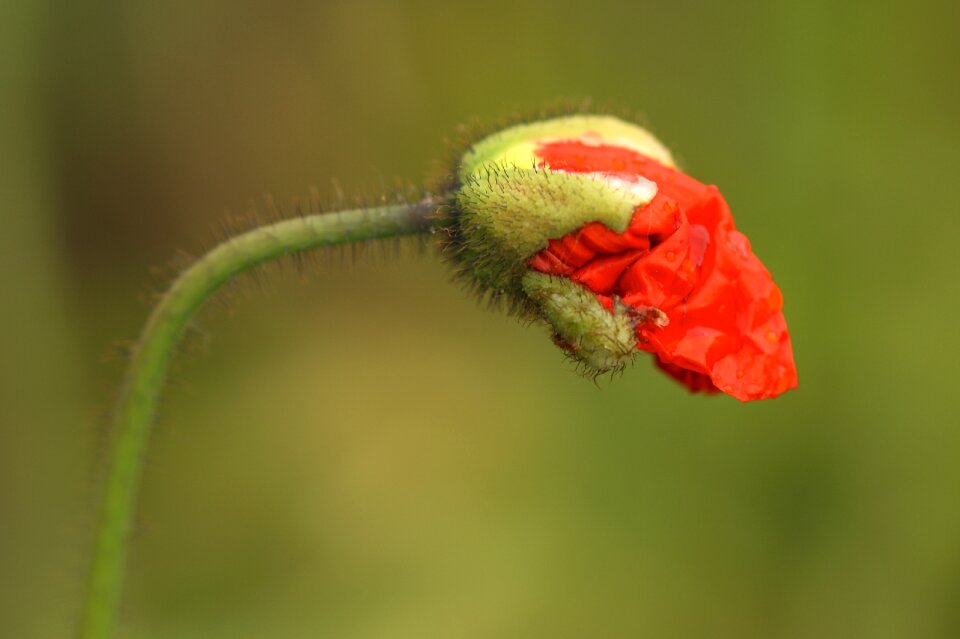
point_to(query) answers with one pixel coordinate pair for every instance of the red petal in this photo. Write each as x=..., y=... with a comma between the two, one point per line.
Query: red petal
x=696, y=382
x=601, y=274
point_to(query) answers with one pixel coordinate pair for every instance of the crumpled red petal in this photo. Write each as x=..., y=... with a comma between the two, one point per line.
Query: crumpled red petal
x=682, y=255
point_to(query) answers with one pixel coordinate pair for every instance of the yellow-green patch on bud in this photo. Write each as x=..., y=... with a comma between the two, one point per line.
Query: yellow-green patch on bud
x=516, y=146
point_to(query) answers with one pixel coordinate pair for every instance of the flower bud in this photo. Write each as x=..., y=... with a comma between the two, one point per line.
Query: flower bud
x=585, y=223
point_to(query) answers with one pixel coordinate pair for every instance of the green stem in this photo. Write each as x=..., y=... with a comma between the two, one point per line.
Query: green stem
x=148, y=368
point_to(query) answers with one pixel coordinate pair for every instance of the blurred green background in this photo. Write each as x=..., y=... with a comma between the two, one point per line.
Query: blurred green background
x=369, y=454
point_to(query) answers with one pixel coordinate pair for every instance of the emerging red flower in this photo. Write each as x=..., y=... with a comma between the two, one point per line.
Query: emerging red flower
x=724, y=328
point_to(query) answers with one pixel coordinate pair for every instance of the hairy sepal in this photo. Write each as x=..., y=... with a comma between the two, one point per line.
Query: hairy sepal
x=507, y=214
x=599, y=339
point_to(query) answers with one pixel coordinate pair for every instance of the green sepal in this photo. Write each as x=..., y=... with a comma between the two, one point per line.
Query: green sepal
x=508, y=214
x=599, y=339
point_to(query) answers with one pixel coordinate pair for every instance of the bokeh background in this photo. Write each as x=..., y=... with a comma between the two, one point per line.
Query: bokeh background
x=367, y=453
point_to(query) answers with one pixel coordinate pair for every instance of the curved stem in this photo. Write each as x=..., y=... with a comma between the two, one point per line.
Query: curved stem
x=148, y=368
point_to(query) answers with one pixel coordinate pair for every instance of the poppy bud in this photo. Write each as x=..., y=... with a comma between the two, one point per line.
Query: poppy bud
x=585, y=223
